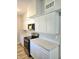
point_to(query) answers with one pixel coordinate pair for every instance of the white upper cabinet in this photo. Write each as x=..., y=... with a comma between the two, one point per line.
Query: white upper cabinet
x=35, y=7
x=57, y=4
x=38, y=7
x=52, y=23
x=40, y=24
x=51, y=5
x=37, y=24
x=43, y=24
x=48, y=23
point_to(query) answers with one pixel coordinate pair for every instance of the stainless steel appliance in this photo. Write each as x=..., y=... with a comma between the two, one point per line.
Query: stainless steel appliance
x=27, y=45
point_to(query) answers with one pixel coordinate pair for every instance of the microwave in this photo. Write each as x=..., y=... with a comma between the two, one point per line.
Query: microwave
x=31, y=27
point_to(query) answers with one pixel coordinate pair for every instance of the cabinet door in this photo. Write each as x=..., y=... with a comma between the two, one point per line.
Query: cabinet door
x=52, y=23
x=52, y=8
x=37, y=25
x=40, y=24
x=55, y=5
x=42, y=55
x=34, y=50
x=37, y=52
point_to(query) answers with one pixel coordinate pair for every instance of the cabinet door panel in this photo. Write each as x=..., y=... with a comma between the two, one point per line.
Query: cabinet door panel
x=36, y=54
x=52, y=23
x=43, y=24
x=34, y=50
x=56, y=5
x=47, y=23
x=43, y=55
x=37, y=25
x=40, y=24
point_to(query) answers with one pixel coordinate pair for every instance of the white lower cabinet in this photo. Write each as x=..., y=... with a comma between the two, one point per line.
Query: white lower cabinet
x=34, y=51
x=56, y=5
x=38, y=52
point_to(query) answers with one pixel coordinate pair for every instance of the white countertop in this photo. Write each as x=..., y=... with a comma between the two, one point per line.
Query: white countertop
x=44, y=43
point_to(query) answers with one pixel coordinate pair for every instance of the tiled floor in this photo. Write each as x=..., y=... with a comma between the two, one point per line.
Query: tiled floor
x=21, y=53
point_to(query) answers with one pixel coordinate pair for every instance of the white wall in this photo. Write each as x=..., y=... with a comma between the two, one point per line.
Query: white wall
x=19, y=26
x=31, y=8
